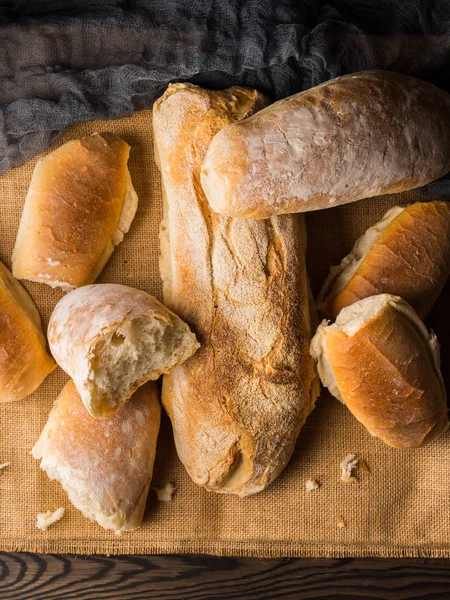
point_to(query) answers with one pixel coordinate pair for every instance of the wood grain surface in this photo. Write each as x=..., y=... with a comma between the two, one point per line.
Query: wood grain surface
x=51, y=577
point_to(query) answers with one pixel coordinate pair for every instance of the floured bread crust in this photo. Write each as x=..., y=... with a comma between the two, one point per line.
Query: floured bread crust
x=104, y=465
x=379, y=359
x=80, y=204
x=407, y=253
x=357, y=136
x=24, y=361
x=238, y=404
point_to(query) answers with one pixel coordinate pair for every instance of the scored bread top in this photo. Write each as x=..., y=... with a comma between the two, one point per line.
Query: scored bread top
x=379, y=359
x=79, y=205
x=238, y=404
x=407, y=254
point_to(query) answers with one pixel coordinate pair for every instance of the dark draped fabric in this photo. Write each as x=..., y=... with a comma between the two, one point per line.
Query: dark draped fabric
x=63, y=61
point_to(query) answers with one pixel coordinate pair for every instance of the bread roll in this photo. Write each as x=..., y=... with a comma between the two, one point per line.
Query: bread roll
x=238, y=404
x=379, y=359
x=353, y=137
x=407, y=253
x=79, y=205
x=104, y=465
x=24, y=361
x=111, y=339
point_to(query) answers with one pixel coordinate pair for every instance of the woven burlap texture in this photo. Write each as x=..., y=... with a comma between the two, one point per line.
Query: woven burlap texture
x=400, y=509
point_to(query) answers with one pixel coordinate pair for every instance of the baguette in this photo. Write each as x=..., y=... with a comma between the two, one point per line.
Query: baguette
x=353, y=137
x=407, y=254
x=24, y=361
x=236, y=406
x=381, y=362
x=104, y=465
x=79, y=206
x=110, y=339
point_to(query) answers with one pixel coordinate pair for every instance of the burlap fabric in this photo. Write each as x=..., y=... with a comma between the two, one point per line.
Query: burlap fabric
x=400, y=509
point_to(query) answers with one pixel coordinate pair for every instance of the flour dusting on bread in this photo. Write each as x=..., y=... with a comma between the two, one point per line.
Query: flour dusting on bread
x=238, y=404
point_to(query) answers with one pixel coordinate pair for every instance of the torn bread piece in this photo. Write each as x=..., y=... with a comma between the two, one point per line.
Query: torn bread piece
x=407, y=253
x=348, y=466
x=380, y=361
x=166, y=493
x=111, y=339
x=49, y=518
x=104, y=465
x=80, y=204
x=311, y=485
x=24, y=360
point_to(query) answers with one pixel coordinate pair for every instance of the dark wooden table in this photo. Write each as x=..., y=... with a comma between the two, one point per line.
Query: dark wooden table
x=50, y=577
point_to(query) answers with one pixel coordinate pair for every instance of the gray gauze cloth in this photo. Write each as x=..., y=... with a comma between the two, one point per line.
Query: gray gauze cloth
x=62, y=62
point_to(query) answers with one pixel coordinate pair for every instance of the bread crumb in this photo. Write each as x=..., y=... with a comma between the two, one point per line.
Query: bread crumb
x=363, y=465
x=311, y=485
x=340, y=522
x=118, y=533
x=348, y=465
x=6, y=464
x=45, y=520
x=166, y=493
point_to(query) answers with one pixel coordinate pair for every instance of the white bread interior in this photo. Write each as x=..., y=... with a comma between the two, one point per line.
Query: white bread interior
x=112, y=338
x=325, y=370
x=129, y=354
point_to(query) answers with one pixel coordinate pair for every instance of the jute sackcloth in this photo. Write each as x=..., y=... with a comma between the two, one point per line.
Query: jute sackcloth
x=400, y=509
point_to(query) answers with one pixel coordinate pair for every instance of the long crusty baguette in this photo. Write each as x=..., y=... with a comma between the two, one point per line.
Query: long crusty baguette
x=407, y=254
x=104, y=465
x=79, y=206
x=111, y=339
x=379, y=359
x=24, y=361
x=353, y=137
x=238, y=405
